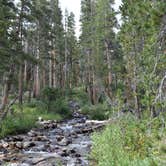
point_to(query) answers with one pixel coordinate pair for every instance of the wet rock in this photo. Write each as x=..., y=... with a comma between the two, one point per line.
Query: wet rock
x=28, y=145
x=46, y=123
x=74, y=135
x=78, y=131
x=82, y=120
x=74, y=105
x=77, y=155
x=1, y=146
x=87, y=130
x=6, y=159
x=40, y=158
x=58, y=131
x=32, y=133
x=5, y=145
x=64, y=153
x=17, y=164
x=72, y=151
x=53, y=125
x=19, y=145
x=40, y=138
x=59, y=138
x=17, y=138
x=65, y=142
x=56, y=147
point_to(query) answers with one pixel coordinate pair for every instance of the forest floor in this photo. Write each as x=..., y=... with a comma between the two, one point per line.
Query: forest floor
x=55, y=143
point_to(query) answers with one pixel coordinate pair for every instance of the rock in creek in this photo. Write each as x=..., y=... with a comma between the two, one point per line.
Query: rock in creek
x=65, y=143
x=28, y=145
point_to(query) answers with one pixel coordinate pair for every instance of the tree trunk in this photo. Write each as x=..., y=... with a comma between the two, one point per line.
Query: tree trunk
x=25, y=71
x=109, y=93
x=20, y=92
x=7, y=84
x=5, y=93
x=136, y=103
x=50, y=71
x=36, y=82
x=54, y=69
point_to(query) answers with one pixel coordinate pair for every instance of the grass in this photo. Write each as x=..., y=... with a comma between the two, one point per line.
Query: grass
x=128, y=142
x=23, y=120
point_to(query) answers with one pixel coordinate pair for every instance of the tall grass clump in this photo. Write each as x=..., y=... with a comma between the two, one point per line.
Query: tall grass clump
x=125, y=143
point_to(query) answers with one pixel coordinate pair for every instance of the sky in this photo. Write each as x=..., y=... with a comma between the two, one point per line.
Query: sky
x=75, y=7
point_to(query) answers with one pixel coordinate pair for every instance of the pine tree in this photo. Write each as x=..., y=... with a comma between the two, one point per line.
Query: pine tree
x=138, y=36
x=87, y=38
x=6, y=65
x=71, y=49
x=105, y=22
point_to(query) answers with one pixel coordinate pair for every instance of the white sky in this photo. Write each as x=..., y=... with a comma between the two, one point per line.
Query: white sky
x=75, y=7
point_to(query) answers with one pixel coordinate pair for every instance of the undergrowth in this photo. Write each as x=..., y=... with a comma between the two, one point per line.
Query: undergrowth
x=96, y=112
x=22, y=120
x=129, y=142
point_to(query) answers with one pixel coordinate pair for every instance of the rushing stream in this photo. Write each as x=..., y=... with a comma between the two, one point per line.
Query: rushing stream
x=65, y=143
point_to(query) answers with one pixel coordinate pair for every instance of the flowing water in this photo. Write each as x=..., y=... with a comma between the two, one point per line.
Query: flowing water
x=65, y=143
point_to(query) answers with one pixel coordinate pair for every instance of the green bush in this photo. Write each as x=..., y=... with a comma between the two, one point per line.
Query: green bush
x=97, y=112
x=123, y=143
x=60, y=106
x=23, y=120
x=38, y=104
x=79, y=95
x=19, y=123
x=51, y=94
x=55, y=102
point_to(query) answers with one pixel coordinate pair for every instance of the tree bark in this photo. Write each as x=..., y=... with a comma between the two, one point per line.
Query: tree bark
x=7, y=84
x=20, y=92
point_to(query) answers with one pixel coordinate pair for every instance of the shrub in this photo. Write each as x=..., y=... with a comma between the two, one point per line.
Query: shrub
x=51, y=94
x=21, y=122
x=79, y=95
x=97, y=112
x=61, y=107
x=123, y=143
x=38, y=104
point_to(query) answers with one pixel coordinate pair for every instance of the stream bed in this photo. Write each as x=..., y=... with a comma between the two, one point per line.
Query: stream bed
x=65, y=143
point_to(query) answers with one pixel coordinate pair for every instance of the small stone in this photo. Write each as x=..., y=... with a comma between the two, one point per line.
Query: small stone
x=40, y=138
x=19, y=145
x=65, y=142
x=5, y=145
x=77, y=155
x=72, y=151
x=17, y=138
x=1, y=145
x=52, y=125
x=28, y=144
x=12, y=145
x=32, y=133
x=64, y=153
x=59, y=138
